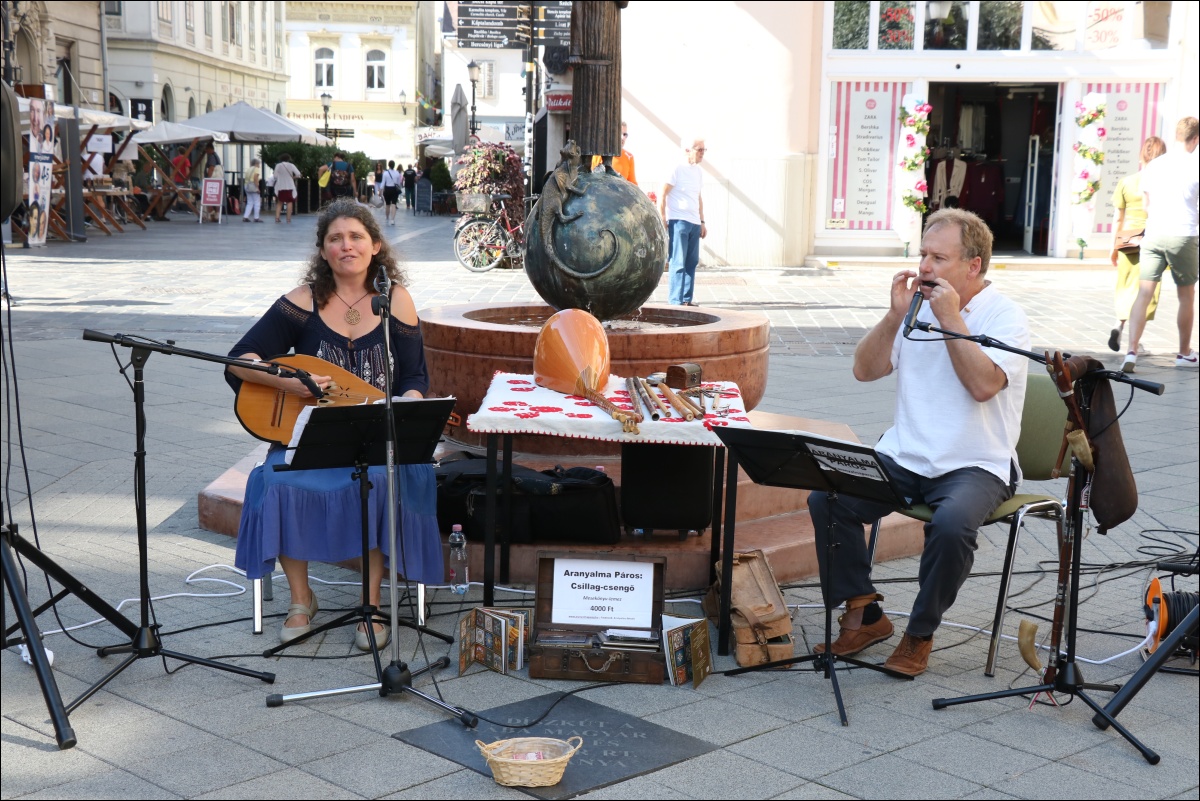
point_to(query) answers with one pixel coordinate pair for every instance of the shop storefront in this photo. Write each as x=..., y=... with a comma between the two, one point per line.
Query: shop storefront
x=1007, y=87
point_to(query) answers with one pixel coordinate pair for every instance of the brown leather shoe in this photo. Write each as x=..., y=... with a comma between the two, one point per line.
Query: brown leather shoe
x=851, y=641
x=911, y=656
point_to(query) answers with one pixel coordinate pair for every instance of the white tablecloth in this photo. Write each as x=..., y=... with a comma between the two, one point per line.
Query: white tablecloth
x=514, y=404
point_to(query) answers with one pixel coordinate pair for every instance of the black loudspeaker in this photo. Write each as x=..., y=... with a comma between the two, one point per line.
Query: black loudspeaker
x=11, y=168
x=666, y=487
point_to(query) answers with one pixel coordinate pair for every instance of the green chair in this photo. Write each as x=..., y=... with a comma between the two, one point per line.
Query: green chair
x=1042, y=420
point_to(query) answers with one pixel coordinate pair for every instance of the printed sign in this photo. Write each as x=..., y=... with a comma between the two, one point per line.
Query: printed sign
x=100, y=143
x=210, y=192
x=865, y=122
x=603, y=593
x=42, y=130
x=1131, y=116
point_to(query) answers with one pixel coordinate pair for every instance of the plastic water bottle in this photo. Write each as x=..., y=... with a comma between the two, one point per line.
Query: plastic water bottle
x=460, y=577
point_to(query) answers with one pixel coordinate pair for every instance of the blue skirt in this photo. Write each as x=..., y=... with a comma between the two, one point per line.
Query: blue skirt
x=315, y=515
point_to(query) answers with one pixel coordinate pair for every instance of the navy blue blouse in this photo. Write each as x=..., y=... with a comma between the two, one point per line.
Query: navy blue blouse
x=286, y=328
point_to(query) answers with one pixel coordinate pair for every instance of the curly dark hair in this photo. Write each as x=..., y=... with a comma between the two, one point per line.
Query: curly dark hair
x=320, y=275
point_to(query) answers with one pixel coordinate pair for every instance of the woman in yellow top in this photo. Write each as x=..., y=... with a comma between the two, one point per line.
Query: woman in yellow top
x=1129, y=215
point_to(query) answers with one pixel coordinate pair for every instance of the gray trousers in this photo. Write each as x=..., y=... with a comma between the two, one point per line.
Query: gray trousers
x=961, y=500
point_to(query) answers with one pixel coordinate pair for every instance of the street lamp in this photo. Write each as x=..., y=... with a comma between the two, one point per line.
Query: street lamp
x=404, y=102
x=473, y=74
x=326, y=99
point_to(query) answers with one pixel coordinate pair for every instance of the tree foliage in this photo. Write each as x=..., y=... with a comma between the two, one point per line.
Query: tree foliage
x=494, y=168
x=308, y=158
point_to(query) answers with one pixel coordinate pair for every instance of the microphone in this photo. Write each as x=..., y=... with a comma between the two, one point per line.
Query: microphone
x=383, y=282
x=910, y=319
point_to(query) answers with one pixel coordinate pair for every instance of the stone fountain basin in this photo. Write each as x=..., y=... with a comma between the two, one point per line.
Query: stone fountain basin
x=466, y=344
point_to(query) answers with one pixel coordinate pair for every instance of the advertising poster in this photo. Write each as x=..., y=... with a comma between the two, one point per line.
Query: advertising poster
x=42, y=127
x=864, y=126
x=1131, y=115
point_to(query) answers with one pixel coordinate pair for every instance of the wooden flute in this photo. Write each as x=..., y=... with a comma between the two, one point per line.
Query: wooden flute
x=654, y=397
x=638, y=393
x=680, y=406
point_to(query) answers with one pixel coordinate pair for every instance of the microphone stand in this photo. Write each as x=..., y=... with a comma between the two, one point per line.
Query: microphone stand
x=1067, y=677
x=988, y=342
x=397, y=678
x=144, y=641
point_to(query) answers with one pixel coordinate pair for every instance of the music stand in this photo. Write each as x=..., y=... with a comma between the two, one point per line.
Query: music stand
x=356, y=437
x=801, y=460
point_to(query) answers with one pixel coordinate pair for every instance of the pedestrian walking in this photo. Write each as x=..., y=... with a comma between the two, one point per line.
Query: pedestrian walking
x=391, y=181
x=410, y=188
x=285, y=185
x=1129, y=225
x=253, y=195
x=1169, y=196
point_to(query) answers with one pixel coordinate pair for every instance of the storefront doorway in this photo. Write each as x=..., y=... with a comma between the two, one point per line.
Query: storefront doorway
x=992, y=153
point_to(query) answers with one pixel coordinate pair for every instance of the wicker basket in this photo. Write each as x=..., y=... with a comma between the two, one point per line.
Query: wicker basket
x=512, y=767
x=474, y=203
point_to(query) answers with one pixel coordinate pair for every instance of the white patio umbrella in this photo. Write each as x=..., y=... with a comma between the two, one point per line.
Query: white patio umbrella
x=170, y=133
x=459, y=125
x=243, y=122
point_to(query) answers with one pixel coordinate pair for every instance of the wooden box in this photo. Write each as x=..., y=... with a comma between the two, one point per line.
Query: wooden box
x=586, y=657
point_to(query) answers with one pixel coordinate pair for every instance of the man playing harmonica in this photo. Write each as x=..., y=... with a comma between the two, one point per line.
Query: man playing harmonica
x=952, y=445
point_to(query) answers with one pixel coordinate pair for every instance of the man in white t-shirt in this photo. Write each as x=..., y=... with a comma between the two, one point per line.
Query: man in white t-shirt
x=682, y=210
x=953, y=443
x=1169, y=194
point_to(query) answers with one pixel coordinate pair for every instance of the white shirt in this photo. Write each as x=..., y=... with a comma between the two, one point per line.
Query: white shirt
x=391, y=178
x=286, y=174
x=939, y=427
x=683, y=201
x=1170, y=181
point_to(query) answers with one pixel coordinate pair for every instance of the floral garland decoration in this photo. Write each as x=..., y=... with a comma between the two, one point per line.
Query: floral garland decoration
x=916, y=118
x=915, y=199
x=1089, y=158
x=1088, y=114
x=1092, y=154
x=914, y=155
x=1090, y=187
x=918, y=159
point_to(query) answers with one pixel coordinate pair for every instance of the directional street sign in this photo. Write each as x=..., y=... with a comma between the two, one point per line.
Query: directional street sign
x=552, y=23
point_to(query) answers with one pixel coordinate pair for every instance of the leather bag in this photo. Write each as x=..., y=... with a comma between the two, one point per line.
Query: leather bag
x=1129, y=240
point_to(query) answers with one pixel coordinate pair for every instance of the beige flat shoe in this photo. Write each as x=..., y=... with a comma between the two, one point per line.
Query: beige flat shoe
x=382, y=637
x=288, y=633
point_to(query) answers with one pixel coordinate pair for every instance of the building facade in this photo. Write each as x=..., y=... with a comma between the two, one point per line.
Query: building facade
x=176, y=59
x=1007, y=82
x=799, y=103
x=59, y=46
x=371, y=63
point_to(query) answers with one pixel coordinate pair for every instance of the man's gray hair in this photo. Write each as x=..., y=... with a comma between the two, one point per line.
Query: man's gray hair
x=975, y=236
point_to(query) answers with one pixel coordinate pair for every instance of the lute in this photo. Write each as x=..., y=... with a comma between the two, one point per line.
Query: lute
x=270, y=413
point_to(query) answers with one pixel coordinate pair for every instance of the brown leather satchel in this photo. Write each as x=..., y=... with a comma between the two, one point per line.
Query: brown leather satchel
x=1114, y=496
x=1129, y=240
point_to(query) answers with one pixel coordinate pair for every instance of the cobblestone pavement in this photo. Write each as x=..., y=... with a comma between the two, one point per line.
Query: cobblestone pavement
x=207, y=734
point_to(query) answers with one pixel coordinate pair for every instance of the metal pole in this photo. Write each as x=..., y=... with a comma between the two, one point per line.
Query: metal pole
x=474, y=121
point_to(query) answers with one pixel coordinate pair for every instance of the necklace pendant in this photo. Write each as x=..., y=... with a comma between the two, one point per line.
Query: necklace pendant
x=352, y=316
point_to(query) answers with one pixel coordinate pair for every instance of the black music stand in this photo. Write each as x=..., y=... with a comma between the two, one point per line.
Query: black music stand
x=356, y=437
x=802, y=460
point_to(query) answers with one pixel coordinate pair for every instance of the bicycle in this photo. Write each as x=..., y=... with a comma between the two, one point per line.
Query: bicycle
x=482, y=243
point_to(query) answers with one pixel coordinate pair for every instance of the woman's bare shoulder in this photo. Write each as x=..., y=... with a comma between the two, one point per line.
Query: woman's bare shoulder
x=302, y=297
